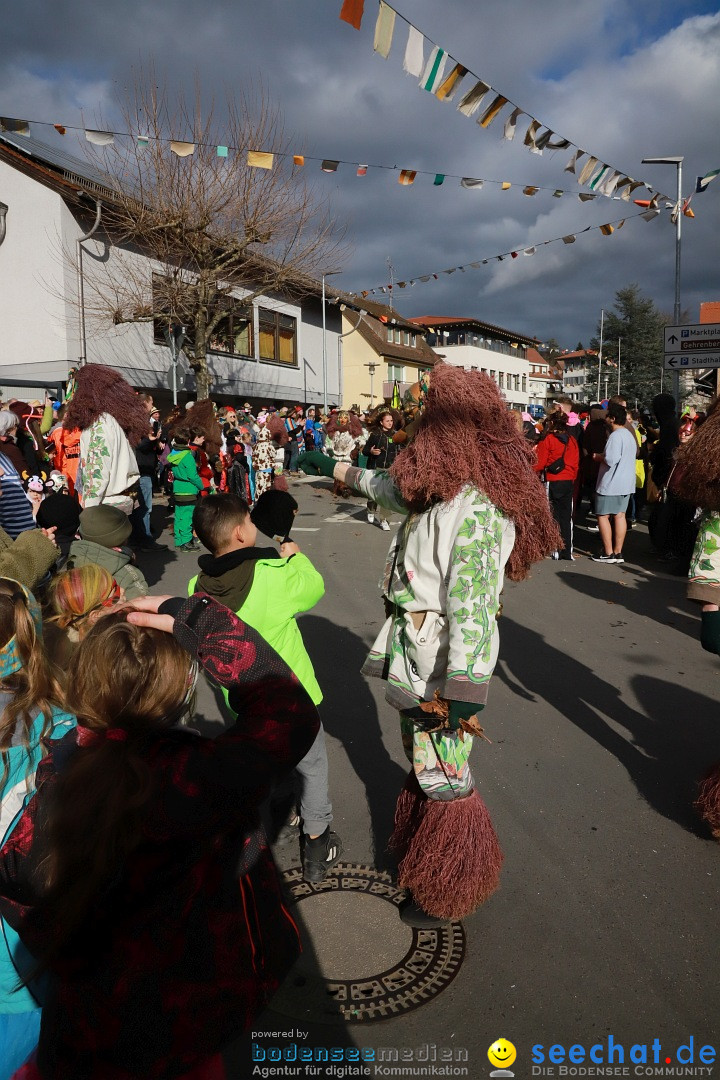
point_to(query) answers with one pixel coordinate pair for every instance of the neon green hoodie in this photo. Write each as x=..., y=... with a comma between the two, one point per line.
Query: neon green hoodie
x=267, y=592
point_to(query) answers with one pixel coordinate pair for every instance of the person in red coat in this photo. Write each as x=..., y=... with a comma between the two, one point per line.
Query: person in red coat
x=558, y=461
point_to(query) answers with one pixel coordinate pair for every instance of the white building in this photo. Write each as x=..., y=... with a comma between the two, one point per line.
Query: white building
x=545, y=382
x=480, y=346
x=48, y=202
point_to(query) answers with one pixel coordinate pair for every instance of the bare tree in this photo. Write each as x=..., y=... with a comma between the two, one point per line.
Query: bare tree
x=213, y=227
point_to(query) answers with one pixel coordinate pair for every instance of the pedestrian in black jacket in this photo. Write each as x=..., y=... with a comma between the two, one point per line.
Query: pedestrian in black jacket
x=381, y=451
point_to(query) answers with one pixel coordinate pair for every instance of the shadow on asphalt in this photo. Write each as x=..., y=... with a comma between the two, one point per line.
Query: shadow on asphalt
x=644, y=596
x=349, y=714
x=668, y=746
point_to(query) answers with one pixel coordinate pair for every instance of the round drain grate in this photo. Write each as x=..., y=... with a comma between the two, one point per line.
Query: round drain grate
x=361, y=963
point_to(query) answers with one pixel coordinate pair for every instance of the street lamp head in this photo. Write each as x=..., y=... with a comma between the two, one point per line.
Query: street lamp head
x=662, y=160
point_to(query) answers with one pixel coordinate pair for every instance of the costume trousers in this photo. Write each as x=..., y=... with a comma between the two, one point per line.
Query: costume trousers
x=560, y=494
x=183, y=524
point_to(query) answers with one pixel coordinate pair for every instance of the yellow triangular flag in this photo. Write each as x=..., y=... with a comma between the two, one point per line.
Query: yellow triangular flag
x=182, y=149
x=260, y=160
x=298, y=159
x=606, y=230
x=505, y=185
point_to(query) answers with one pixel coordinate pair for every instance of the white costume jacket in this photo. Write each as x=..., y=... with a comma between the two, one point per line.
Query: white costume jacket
x=444, y=575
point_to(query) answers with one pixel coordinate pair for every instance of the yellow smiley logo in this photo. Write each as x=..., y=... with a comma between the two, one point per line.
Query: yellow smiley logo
x=502, y=1054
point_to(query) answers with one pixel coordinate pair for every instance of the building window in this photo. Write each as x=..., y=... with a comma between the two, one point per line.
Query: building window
x=232, y=336
x=389, y=334
x=413, y=340
x=278, y=337
x=524, y=384
x=501, y=380
x=516, y=382
x=396, y=371
x=398, y=337
x=492, y=373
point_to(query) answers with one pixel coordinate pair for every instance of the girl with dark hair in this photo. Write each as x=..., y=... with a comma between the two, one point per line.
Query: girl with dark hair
x=139, y=876
x=30, y=714
x=558, y=461
x=474, y=511
x=381, y=451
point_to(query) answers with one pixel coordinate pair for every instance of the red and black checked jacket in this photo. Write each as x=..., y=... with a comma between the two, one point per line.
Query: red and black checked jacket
x=193, y=937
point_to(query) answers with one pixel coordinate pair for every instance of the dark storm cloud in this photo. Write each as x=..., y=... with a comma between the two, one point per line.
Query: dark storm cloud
x=619, y=79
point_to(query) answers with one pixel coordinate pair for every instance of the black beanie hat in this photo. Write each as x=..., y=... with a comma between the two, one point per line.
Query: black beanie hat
x=273, y=514
x=60, y=510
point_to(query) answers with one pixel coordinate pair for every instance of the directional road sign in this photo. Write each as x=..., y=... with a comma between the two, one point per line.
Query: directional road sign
x=696, y=346
x=675, y=362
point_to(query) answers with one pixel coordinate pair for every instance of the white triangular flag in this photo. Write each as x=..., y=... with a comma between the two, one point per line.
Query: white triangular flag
x=414, y=56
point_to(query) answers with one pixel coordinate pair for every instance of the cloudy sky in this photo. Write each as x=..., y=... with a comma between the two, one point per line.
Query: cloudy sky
x=622, y=79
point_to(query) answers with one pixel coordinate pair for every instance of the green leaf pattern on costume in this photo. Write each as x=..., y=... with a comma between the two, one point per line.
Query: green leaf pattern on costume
x=475, y=568
x=94, y=469
x=705, y=562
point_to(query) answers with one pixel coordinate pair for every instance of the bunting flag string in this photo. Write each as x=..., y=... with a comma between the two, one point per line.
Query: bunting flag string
x=603, y=180
x=431, y=76
x=607, y=229
x=703, y=181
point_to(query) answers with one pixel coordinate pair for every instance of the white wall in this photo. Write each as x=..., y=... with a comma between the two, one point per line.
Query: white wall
x=40, y=316
x=475, y=357
x=35, y=343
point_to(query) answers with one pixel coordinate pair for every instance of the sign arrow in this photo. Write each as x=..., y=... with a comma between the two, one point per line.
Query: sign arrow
x=673, y=361
x=673, y=338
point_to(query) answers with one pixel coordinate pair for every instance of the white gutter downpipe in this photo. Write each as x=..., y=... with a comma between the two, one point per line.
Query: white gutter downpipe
x=81, y=284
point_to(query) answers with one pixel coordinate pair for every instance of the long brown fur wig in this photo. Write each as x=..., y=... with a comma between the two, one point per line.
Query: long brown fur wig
x=353, y=424
x=201, y=417
x=467, y=436
x=101, y=389
x=699, y=463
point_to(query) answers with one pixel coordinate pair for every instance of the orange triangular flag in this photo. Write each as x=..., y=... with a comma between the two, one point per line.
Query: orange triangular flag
x=352, y=12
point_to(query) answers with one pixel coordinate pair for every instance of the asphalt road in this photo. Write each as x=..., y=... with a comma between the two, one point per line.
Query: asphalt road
x=602, y=715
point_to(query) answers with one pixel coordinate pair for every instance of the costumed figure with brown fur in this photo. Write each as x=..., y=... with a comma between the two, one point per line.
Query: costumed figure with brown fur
x=279, y=439
x=112, y=419
x=474, y=511
x=344, y=440
x=699, y=484
x=206, y=438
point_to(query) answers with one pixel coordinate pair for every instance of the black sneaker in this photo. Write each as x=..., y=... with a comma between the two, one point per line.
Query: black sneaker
x=320, y=854
x=413, y=915
x=618, y=556
x=605, y=558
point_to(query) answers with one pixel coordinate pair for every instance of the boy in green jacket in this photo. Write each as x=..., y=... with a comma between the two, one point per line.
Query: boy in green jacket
x=187, y=485
x=267, y=591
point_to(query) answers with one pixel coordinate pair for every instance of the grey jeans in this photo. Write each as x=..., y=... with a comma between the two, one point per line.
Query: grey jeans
x=315, y=805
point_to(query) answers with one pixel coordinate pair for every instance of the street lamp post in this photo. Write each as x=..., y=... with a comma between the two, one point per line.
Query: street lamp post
x=677, y=162
x=602, y=324
x=327, y=273
x=174, y=336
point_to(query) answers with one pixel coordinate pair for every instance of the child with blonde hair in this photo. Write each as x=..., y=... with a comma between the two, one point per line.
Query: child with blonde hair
x=30, y=714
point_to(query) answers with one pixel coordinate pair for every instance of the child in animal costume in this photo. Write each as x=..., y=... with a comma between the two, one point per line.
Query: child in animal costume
x=474, y=511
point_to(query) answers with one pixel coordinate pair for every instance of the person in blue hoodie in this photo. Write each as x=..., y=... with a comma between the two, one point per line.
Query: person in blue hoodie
x=30, y=714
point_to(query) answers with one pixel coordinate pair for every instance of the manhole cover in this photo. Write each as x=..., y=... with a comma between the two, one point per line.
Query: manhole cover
x=361, y=963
